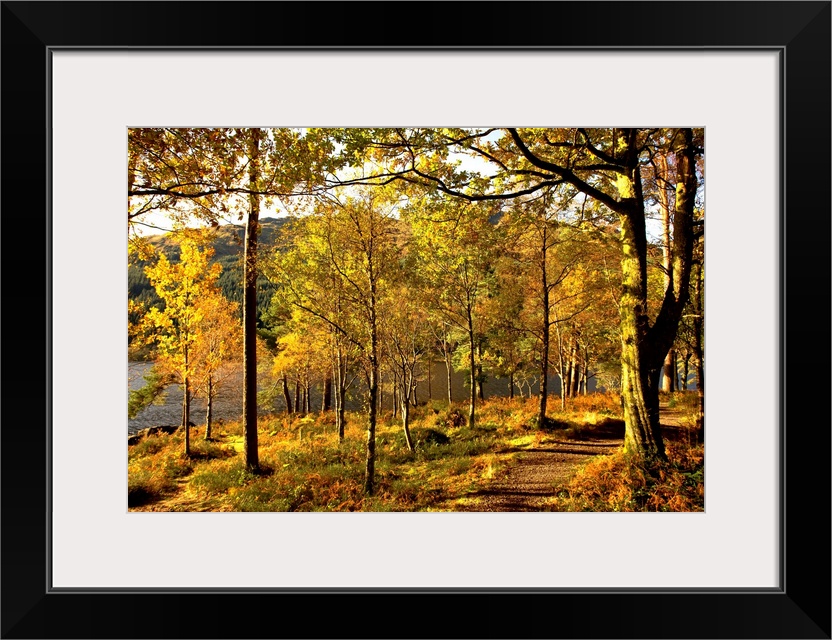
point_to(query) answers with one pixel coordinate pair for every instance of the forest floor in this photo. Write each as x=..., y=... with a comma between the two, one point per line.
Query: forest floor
x=537, y=474
x=504, y=463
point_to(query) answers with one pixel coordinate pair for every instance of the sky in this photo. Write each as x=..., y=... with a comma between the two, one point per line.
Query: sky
x=154, y=223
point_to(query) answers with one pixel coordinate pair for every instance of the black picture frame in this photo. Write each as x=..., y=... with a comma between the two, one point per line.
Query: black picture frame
x=800, y=31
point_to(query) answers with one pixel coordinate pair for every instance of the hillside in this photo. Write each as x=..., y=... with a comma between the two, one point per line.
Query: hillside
x=228, y=252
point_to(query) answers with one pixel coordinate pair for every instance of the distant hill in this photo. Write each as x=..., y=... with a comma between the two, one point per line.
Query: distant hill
x=229, y=238
x=228, y=252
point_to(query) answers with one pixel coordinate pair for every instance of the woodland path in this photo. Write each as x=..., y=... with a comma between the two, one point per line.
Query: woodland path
x=535, y=474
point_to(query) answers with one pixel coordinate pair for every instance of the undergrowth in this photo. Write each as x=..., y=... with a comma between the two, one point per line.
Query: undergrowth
x=620, y=482
x=304, y=467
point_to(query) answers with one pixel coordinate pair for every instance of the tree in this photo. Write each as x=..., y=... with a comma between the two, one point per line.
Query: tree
x=456, y=247
x=178, y=326
x=211, y=173
x=348, y=245
x=605, y=165
x=547, y=252
x=218, y=347
x=406, y=338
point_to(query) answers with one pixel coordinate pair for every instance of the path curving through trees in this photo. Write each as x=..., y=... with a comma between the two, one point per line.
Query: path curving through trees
x=534, y=476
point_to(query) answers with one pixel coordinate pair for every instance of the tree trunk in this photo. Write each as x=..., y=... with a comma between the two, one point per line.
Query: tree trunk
x=340, y=389
x=307, y=396
x=446, y=352
x=544, y=342
x=561, y=368
x=570, y=362
x=186, y=402
x=639, y=384
x=370, y=467
x=298, y=405
x=700, y=392
x=186, y=415
x=250, y=309
x=473, y=365
x=406, y=422
x=286, y=395
x=430, y=394
x=585, y=372
x=209, y=409
x=574, y=371
x=644, y=347
x=669, y=371
x=327, y=400
x=511, y=386
x=394, y=393
x=699, y=350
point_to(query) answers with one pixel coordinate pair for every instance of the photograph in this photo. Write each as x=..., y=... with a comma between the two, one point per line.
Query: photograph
x=460, y=319
x=415, y=315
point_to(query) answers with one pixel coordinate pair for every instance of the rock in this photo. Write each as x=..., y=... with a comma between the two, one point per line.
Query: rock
x=152, y=431
x=139, y=435
x=430, y=436
x=454, y=418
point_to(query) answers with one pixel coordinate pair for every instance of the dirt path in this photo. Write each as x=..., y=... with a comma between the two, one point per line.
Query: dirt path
x=536, y=473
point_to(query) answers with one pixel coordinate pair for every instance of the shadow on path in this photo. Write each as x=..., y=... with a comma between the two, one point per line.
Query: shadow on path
x=537, y=473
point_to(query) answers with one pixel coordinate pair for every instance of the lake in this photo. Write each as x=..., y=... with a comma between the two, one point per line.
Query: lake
x=229, y=404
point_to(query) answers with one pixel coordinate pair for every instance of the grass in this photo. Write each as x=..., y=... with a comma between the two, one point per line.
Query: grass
x=305, y=468
x=621, y=483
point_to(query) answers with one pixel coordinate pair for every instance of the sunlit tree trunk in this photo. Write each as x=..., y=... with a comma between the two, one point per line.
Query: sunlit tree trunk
x=639, y=382
x=340, y=390
x=585, y=372
x=544, y=338
x=473, y=366
x=573, y=370
x=186, y=404
x=699, y=347
x=643, y=348
x=186, y=416
x=446, y=352
x=369, y=470
x=209, y=408
x=561, y=367
x=406, y=417
x=570, y=361
x=669, y=370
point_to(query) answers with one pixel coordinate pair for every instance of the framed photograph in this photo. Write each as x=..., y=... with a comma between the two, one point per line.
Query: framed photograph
x=755, y=77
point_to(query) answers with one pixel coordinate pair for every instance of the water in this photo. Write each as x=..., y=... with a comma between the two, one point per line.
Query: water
x=228, y=405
